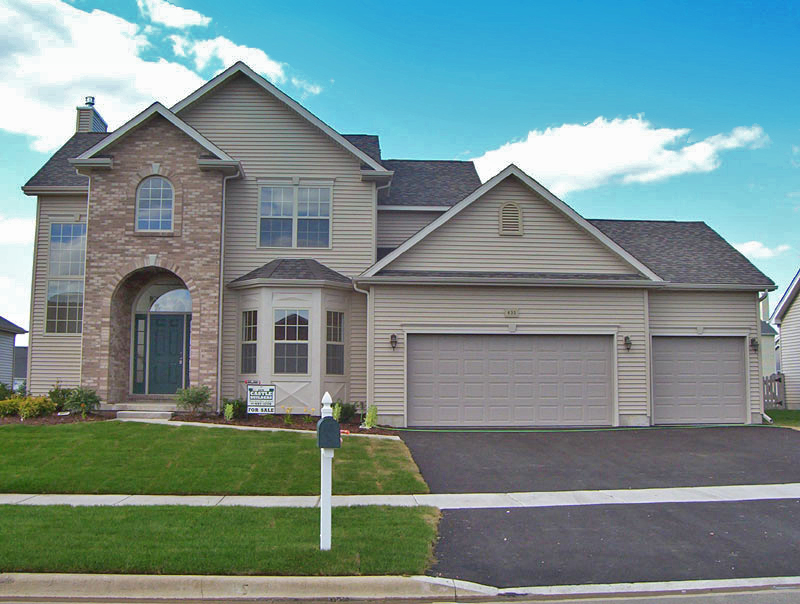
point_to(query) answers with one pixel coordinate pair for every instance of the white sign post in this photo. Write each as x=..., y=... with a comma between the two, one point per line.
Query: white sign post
x=326, y=480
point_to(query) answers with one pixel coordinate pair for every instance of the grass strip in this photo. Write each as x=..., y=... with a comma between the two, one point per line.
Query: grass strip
x=373, y=540
x=785, y=417
x=124, y=457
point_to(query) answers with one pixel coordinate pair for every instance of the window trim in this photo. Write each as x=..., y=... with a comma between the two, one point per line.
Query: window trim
x=48, y=278
x=242, y=341
x=336, y=343
x=295, y=184
x=275, y=342
x=136, y=228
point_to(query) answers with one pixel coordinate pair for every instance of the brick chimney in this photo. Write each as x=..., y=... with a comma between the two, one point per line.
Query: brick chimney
x=88, y=120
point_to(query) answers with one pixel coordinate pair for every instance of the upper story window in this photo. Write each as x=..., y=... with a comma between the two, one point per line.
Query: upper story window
x=154, y=201
x=510, y=219
x=295, y=216
x=65, y=283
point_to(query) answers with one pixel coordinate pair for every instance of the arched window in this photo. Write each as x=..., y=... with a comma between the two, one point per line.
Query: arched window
x=154, y=205
x=176, y=300
x=510, y=219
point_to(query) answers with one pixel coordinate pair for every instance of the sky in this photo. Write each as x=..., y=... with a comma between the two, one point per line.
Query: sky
x=647, y=110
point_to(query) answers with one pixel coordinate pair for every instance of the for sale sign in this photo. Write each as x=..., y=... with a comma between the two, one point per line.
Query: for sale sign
x=260, y=398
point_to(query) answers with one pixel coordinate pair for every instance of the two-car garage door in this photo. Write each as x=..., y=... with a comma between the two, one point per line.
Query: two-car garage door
x=509, y=380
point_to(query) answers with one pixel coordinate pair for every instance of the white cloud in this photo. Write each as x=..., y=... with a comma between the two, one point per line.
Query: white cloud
x=758, y=251
x=222, y=52
x=306, y=87
x=15, y=286
x=15, y=231
x=574, y=157
x=166, y=13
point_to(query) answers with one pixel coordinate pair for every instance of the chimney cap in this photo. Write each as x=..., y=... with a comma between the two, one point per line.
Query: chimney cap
x=90, y=101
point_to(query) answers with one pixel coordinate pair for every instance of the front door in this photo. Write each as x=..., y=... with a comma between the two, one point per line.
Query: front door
x=166, y=353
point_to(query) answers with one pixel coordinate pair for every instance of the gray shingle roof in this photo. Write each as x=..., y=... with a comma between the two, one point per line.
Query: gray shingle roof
x=511, y=275
x=368, y=143
x=683, y=252
x=294, y=268
x=767, y=329
x=428, y=182
x=9, y=327
x=57, y=171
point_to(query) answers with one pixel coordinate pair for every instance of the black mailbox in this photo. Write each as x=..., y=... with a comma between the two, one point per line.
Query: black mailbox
x=328, y=435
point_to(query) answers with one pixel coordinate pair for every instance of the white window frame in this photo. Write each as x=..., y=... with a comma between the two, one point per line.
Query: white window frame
x=63, y=278
x=339, y=342
x=276, y=341
x=243, y=341
x=171, y=228
x=296, y=184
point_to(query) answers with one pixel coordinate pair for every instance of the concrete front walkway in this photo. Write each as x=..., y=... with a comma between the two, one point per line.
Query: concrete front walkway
x=448, y=501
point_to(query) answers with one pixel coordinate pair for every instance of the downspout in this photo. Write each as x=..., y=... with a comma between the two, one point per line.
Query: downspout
x=761, y=298
x=225, y=180
x=369, y=343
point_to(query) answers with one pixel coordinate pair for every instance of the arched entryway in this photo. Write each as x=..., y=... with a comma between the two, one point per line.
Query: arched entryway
x=161, y=338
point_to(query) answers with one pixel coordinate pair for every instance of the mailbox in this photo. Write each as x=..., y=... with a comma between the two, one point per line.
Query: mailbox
x=328, y=435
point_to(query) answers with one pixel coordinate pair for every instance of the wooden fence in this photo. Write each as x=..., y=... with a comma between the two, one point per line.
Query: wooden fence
x=775, y=391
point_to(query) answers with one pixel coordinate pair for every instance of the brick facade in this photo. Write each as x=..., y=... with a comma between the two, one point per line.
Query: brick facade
x=120, y=262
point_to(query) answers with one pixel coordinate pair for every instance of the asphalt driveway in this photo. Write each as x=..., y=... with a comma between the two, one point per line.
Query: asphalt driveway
x=499, y=462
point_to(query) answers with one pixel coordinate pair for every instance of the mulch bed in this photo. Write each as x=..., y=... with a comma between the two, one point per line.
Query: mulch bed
x=276, y=421
x=57, y=419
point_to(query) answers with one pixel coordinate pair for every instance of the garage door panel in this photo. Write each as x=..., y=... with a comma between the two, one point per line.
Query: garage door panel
x=699, y=380
x=510, y=379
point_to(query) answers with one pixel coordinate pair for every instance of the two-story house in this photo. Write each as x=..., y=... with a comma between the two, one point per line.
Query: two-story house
x=236, y=237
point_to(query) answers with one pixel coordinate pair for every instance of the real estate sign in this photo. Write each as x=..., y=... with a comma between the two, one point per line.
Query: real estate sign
x=260, y=398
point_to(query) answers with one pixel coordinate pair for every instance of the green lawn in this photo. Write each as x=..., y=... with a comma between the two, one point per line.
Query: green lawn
x=123, y=457
x=186, y=540
x=785, y=417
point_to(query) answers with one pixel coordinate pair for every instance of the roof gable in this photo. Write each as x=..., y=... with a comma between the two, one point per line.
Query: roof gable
x=474, y=242
x=57, y=171
x=241, y=68
x=9, y=327
x=786, y=301
x=436, y=183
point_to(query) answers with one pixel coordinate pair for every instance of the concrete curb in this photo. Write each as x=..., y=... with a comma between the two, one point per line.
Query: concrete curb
x=195, y=587
x=170, y=422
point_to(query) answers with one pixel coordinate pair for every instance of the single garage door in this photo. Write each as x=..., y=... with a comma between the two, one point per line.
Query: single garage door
x=698, y=380
x=509, y=380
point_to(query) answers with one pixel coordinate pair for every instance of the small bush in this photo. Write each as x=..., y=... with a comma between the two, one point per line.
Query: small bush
x=6, y=392
x=193, y=398
x=239, y=407
x=372, y=417
x=36, y=406
x=287, y=417
x=348, y=412
x=227, y=412
x=9, y=407
x=60, y=396
x=82, y=400
x=337, y=410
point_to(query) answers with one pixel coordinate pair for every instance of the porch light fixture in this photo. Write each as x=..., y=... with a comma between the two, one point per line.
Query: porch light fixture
x=393, y=341
x=754, y=344
x=628, y=342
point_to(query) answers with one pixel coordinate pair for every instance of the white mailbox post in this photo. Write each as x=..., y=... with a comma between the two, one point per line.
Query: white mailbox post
x=328, y=439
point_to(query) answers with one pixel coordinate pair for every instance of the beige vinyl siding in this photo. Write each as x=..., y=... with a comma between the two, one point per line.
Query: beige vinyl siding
x=51, y=357
x=6, y=358
x=272, y=141
x=394, y=227
x=790, y=354
x=551, y=242
x=716, y=313
x=465, y=309
x=358, y=347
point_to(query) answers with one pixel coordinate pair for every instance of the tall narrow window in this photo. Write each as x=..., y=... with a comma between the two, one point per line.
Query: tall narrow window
x=334, y=349
x=249, y=341
x=64, y=290
x=154, y=205
x=291, y=341
x=295, y=216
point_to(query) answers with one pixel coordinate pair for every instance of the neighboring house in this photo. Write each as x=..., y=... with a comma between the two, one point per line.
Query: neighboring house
x=768, y=363
x=787, y=318
x=20, y=366
x=236, y=237
x=8, y=333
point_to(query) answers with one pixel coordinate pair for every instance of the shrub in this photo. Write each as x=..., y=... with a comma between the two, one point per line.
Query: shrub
x=228, y=412
x=60, y=396
x=348, y=412
x=239, y=407
x=82, y=400
x=193, y=398
x=22, y=390
x=35, y=406
x=337, y=410
x=372, y=417
x=6, y=392
x=287, y=417
x=9, y=407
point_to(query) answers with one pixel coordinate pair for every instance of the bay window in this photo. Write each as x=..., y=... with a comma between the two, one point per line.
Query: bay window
x=249, y=341
x=291, y=341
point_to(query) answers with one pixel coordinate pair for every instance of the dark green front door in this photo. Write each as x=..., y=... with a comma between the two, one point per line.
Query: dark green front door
x=167, y=351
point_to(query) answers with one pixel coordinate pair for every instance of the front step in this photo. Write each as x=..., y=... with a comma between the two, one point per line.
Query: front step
x=144, y=406
x=144, y=414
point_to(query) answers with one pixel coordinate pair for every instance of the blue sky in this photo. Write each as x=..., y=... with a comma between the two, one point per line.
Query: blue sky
x=661, y=110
